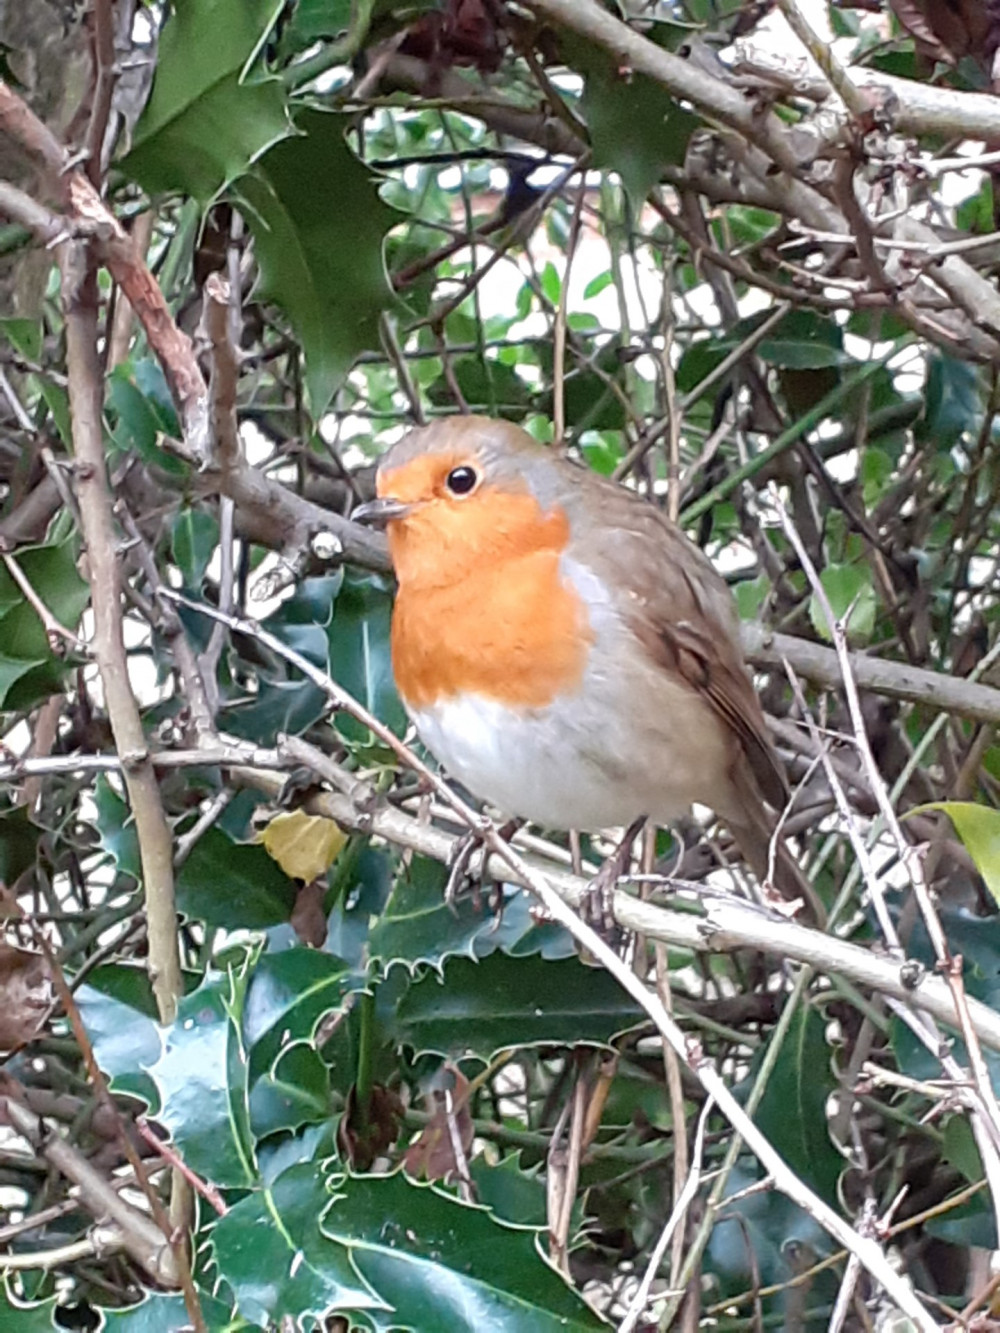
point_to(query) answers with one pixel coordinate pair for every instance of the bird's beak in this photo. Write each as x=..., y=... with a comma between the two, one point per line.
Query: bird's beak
x=377, y=513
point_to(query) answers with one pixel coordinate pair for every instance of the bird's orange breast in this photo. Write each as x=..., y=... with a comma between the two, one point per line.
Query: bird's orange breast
x=482, y=607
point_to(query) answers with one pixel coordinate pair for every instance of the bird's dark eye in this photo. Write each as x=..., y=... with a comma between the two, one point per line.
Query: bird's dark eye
x=461, y=480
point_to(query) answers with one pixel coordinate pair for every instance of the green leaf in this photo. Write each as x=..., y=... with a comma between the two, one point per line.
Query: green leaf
x=13, y=670
x=312, y=20
x=138, y=420
x=289, y=993
x=597, y=285
x=359, y=653
x=443, y=1264
x=233, y=885
x=117, y=829
x=27, y=1316
x=318, y=226
x=551, y=283
x=511, y=1193
x=978, y=826
x=603, y=451
x=118, y=1011
x=636, y=127
x=848, y=588
x=163, y=1313
x=971, y=1224
x=976, y=213
x=959, y=1148
x=748, y=226
x=271, y=1253
x=285, y=701
x=206, y=120
x=750, y=595
x=953, y=404
x=792, y=1112
x=18, y=844
x=25, y=336
x=750, y=1247
x=29, y=669
x=392, y=1254
x=418, y=926
x=295, y=1092
x=504, y=1002
x=201, y=1078
x=193, y=539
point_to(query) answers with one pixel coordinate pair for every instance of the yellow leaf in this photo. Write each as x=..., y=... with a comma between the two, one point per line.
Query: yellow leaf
x=978, y=826
x=305, y=846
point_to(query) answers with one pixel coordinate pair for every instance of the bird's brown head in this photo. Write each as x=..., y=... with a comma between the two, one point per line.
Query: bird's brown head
x=462, y=492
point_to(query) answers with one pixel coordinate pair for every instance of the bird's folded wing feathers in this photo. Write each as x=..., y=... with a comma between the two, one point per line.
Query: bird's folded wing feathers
x=683, y=613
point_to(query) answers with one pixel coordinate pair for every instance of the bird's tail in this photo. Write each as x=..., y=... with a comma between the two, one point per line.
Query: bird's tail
x=771, y=860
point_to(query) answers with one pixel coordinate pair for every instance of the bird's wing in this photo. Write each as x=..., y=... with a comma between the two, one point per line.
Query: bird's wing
x=682, y=612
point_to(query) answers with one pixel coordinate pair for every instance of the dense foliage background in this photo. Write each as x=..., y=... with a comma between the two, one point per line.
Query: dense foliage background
x=259, y=1073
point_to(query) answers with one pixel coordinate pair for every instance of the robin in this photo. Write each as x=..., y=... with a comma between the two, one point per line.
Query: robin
x=564, y=650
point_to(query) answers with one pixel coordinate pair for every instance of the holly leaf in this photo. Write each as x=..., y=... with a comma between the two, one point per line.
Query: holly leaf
x=207, y=119
x=318, y=226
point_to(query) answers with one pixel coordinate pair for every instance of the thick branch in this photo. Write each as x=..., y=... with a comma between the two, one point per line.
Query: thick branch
x=819, y=664
x=80, y=302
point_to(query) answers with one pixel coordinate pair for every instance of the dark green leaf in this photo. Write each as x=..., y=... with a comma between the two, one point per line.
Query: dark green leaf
x=312, y=20
x=318, y=225
x=971, y=1224
x=231, y=884
x=18, y=844
x=751, y=1244
x=285, y=701
x=952, y=401
x=288, y=994
x=503, y=1002
x=391, y=1253
x=636, y=127
x=418, y=926
x=792, y=1112
x=194, y=537
x=117, y=829
x=201, y=1077
x=138, y=421
x=270, y=1251
x=511, y=1193
x=163, y=1313
x=359, y=652
x=959, y=1148
x=207, y=118
x=25, y=1316
x=361, y=881
x=442, y=1264
x=116, y=1005
x=295, y=1092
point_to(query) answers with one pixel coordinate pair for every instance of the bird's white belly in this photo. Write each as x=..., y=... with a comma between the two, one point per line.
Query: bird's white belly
x=574, y=766
x=524, y=763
